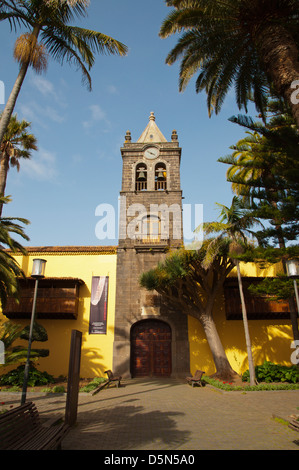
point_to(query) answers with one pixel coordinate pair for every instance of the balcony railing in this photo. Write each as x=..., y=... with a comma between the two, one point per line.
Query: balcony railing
x=160, y=185
x=141, y=185
x=150, y=240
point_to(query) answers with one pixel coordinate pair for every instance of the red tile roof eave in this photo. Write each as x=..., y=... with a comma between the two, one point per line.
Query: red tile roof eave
x=69, y=249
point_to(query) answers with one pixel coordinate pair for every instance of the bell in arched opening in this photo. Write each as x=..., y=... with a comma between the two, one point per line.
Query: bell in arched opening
x=160, y=177
x=141, y=175
x=141, y=178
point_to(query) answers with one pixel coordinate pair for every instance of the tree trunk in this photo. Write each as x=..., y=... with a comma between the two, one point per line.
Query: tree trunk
x=10, y=105
x=223, y=367
x=293, y=310
x=246, y=328
x=279, y=55
x=3, y=176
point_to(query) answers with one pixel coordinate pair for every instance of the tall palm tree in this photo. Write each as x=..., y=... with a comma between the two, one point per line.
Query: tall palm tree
x=17, y=143
x=49, y=33
x=9, y=267
x=240, y=43
x=234, y=224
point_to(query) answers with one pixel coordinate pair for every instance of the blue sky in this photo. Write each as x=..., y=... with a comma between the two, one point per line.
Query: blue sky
x=78, y=164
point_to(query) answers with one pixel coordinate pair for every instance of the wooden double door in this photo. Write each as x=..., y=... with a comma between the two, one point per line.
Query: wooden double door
x=151, y=349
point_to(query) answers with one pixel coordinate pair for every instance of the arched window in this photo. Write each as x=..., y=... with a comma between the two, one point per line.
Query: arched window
x=141, y=177
x=160, y=177
x=151, y=229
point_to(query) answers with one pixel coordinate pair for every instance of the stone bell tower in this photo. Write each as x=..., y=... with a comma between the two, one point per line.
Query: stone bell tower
x=150, y=340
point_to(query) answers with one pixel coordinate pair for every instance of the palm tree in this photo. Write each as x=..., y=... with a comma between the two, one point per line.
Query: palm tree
x=248, y=45
x=17, y=143
x=11, y=332
x=9, y=267
x=234, y=224
x=50, y=34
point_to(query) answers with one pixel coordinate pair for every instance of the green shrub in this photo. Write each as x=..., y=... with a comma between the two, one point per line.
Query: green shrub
x=58, y=389
x=248, y=388
x=16, y=377
x=269, y=372
x=93, y=384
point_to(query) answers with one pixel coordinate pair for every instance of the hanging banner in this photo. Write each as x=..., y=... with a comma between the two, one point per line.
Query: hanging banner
x=98, y=305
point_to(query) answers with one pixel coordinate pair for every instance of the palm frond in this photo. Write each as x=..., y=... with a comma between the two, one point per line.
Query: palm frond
x=217, y=44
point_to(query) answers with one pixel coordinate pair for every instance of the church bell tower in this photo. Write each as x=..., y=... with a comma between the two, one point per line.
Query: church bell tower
x=150, y=340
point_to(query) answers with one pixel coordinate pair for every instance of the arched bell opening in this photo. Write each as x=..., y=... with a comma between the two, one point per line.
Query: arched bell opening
x=160, y=177
x=141, y=177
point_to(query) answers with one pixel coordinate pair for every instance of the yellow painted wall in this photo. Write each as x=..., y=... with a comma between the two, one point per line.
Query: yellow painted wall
x=96, y=356
x=271, y=339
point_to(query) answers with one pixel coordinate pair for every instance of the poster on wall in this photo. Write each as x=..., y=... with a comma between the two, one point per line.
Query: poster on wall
x=98, y=305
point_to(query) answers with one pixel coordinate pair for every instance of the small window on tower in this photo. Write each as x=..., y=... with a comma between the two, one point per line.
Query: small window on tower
x=151, y=229
x=141, y=177
x=160, y=177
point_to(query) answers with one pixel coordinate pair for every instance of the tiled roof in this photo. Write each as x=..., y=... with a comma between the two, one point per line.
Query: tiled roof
x=71, y=249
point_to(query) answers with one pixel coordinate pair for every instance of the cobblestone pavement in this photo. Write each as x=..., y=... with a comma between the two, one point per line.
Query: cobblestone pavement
x=171, y=415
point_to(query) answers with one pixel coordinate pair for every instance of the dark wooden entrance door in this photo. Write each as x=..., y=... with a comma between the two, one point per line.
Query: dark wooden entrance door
x=151, y=349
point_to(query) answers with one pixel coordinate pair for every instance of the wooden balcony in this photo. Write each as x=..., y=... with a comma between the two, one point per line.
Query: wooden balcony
x=258, y=307
x=57, y=299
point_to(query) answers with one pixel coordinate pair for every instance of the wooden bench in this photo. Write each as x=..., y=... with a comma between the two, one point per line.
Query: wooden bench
x=196, y=379
x=111, y=378
x=21, y=429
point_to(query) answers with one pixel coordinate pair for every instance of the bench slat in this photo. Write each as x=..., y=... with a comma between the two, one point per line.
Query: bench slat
x=45, y=438
x=20, y=428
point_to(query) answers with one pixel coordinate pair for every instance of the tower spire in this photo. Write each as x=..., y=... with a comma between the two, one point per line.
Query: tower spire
x=151, y=133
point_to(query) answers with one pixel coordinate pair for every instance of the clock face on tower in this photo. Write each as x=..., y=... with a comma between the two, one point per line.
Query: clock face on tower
x=151, y=153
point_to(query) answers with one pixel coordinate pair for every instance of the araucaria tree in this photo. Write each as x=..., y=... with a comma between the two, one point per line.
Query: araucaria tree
x=49, y=33
x=246, y=44
x=185, y=284
x=264, y=171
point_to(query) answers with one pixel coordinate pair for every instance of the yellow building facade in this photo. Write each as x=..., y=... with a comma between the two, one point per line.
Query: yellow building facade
x=271, y=339
x=66, y=264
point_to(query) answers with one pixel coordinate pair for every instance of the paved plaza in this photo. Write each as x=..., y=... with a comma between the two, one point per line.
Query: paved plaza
x=169, y=415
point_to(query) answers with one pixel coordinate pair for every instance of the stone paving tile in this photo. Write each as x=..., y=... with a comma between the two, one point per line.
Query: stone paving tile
x=170, y=415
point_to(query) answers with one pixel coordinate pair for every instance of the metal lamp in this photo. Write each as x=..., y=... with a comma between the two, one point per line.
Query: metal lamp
x=293, y=272
x=38, y=272
x=38, y=268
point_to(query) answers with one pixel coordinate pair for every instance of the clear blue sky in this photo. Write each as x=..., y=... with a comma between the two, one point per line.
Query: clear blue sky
x=78, y=164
